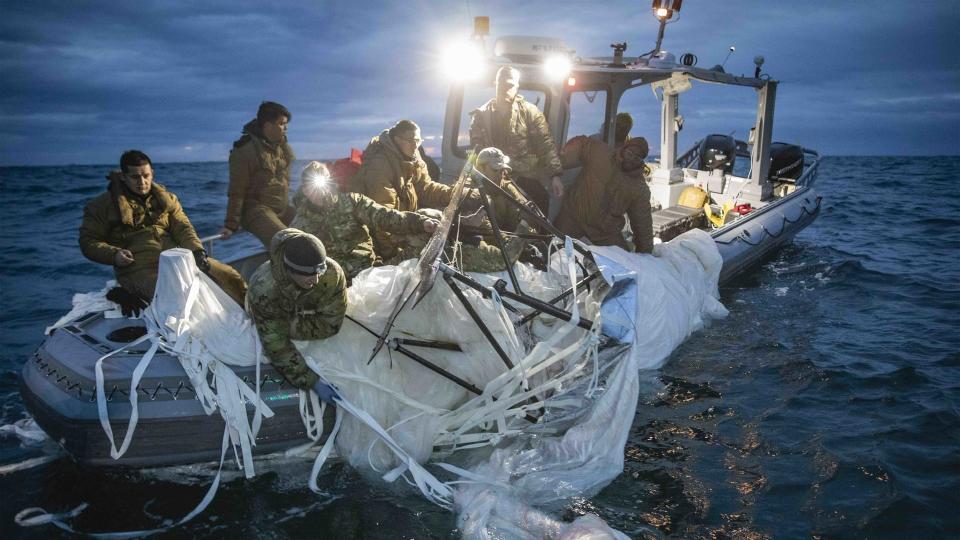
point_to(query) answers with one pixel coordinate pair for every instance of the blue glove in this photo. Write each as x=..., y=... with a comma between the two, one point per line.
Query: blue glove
x=326, y=392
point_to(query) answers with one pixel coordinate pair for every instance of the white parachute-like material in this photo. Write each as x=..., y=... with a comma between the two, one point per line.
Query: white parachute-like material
x=584, y=383
x=191, y=318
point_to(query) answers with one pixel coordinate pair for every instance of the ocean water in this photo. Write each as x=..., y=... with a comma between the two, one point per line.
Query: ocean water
x=826, y=405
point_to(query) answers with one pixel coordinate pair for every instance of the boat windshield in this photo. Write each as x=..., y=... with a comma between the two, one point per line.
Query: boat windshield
x=587, y=112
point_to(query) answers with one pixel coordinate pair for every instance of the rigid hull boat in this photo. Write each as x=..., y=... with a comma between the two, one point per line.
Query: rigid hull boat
x=775, y=199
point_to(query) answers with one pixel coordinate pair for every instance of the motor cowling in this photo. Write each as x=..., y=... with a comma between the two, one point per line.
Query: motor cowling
x=717, y=152
x=786, y=161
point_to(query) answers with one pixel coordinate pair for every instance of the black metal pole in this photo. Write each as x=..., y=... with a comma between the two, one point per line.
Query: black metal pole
x=553, y=311
x=497, y=234
x=436, y=369
x=478, y=321
x=526, y=318
x=537, y=219
x=443, y=345
x=423, y=361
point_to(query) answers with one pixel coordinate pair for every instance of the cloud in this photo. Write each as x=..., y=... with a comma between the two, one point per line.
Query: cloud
x=84, y=80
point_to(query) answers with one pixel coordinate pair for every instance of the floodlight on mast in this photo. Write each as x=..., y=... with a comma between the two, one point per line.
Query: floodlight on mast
x=663, y=10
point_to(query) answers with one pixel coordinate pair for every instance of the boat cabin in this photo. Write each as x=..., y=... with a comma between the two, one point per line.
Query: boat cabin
x=582, y=96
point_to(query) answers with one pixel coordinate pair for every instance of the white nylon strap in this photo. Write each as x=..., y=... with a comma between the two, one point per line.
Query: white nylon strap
x=32, y=517
x=134, y=382
x=324, y=453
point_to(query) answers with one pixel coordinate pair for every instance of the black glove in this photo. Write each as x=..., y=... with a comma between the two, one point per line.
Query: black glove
x=131, y=304
x=200, y=257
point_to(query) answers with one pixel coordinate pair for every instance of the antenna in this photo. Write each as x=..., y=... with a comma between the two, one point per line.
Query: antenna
x=618, y=50
x=731, y=51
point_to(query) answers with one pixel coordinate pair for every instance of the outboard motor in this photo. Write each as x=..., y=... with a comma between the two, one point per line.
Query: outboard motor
x=786, y=162
x=717, y=152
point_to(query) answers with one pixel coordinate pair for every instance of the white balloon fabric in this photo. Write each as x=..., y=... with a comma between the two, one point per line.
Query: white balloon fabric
x=583, y=383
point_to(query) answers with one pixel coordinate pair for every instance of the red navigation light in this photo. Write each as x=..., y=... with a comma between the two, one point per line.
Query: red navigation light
x=571, y=81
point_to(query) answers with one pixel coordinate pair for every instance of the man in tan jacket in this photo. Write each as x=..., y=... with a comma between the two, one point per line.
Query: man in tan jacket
x=394, y=175
x=610, y=184
x=519, y=129
x=135, y=219
x=257, y=198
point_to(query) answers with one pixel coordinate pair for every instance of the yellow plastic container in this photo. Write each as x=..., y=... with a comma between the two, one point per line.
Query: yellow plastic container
x=693, y=197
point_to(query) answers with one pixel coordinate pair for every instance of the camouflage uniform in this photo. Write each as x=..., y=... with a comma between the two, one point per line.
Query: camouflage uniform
x=508, y=216
x=345, y=223
x=119, y=219
x=602, y=194
x=283, y=311
x=397, y=182
x=486, y=258
x=259, y=184
x=409, y=245
x=524, y=137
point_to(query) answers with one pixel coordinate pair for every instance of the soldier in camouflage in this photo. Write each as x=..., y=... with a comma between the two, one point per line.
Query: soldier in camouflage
x=260, y=176
x=518, y=128
x=299, y=294
x=344, y=221
x=495, y=165
x=473, y=253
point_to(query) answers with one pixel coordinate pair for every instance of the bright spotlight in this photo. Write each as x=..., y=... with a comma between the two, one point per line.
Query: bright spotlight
x=664, y=9
x=462, y=61
x=557, y=67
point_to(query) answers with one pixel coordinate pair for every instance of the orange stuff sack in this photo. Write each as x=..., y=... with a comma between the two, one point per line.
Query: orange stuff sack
x=343, y=169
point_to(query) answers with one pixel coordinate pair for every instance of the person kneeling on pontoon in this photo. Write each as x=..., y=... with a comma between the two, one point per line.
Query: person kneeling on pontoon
x=131, y=223
x=611, y=183
x=301, y=294
x=344, y=221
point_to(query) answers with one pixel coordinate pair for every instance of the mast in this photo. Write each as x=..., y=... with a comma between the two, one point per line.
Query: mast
x=759, y=187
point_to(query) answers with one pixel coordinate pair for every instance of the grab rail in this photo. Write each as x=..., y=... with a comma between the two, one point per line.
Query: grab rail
x=207, y=242
x=809, y=175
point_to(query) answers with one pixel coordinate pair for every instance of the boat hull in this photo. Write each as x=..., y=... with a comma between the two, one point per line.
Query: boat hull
x=753, y=238
x=59, y=390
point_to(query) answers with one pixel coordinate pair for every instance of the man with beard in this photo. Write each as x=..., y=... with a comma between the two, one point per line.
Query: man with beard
x=518, y=128
x=260, y=176
x=611, y=183
x=135, y=219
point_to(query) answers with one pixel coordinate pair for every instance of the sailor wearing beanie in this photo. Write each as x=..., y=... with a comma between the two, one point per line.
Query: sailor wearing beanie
x=299, y=294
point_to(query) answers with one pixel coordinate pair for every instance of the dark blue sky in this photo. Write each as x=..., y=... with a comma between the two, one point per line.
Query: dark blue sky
x=82, y=81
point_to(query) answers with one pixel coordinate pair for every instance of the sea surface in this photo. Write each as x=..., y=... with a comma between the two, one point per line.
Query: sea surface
x=827, y=405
